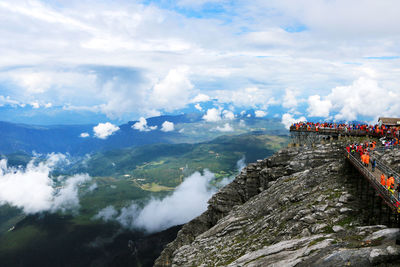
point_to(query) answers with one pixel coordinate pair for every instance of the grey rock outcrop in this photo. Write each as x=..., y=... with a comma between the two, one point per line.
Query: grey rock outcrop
x=391, y=157
x=283, y=211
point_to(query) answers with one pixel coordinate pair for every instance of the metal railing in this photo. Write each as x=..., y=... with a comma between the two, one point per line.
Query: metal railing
x=383, y=167
x=386, y=169
x=388, y=197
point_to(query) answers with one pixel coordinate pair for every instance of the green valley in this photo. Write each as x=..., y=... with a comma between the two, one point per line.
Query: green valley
x=120, y=177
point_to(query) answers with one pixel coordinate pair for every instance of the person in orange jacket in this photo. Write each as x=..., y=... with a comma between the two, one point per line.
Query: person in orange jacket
x=373, y=145
x=390, y=184
x=363, y=158
x=366, y=160
x=383, y=180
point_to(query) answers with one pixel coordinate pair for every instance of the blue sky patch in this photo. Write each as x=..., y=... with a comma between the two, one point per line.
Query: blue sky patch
x=295, y=28
x=384, y=57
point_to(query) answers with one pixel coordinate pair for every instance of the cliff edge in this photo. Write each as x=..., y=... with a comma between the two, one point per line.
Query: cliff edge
x=299, y=207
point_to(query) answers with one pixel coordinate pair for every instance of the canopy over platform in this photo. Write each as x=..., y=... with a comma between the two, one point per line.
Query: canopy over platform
x=389, y=121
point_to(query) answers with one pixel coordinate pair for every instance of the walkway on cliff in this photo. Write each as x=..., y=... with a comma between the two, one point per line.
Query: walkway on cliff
x=373, y=177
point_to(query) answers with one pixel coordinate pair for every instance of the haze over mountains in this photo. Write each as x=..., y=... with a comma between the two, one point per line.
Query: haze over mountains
x=82, y=139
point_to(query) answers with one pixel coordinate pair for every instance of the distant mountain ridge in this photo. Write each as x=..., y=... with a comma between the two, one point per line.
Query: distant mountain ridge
x=66, y=138
x=189, y=128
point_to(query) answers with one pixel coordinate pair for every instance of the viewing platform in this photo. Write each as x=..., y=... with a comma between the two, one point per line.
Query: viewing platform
x=310, y=134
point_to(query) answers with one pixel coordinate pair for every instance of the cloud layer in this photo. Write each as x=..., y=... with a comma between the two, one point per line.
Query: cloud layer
x=144, y=58
x=188, y=201
x=33, y=189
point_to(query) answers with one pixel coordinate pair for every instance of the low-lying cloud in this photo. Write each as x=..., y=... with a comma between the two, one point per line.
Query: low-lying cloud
x=142, y=126
x=260, y=113
x=107, y=214
x=226, y=128
x=34, y=190
x=187, y=201
x=84, y=135
x=212, y=115
x=240, y=164
x=229, y=115
x=167, y=126
x=104, y=130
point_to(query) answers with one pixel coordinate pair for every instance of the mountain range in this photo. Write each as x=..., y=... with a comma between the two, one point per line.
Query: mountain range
x=190, y=128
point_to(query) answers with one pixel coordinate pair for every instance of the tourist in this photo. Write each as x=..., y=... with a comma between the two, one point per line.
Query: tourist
x=383, y=180
x=373, y=165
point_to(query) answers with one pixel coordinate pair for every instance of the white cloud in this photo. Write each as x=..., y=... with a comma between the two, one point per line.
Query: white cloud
x=35, y=105
x=288, y=120
x=260, y=113
x=227, y=128
x=248, y=97
x=173, y=91
x=104, y=130
x=188, y=201
x=290, y=99
x=84, y=135
x=92, y=187
x=212, y=115
x=364, y=97
x=33, y=190
x=240, y=164
x=67, y=197
x=318, y=107
x=201, y=98
x=167, y=126
x=142, y=126
x=8, y=101
x=228, y=115
x=54, y=159
x=34, y=82
x=198, y=107
x=106, y=214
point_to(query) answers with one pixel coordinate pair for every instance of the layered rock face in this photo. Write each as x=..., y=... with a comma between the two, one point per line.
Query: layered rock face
x=295, y=208
x=391, y=157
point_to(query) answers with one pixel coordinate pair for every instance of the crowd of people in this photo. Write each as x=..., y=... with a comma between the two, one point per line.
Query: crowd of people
x=373, y=130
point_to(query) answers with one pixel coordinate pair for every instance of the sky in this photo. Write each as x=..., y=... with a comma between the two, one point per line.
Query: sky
x=77, y=61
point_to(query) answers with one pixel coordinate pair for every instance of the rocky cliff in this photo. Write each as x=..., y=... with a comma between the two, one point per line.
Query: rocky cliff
x=299, y=207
